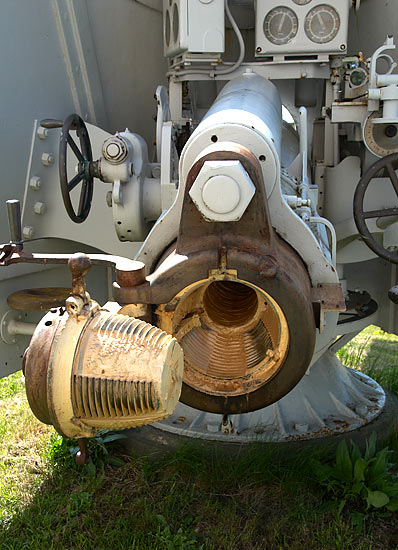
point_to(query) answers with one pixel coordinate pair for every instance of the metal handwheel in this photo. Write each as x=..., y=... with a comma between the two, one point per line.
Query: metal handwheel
x=389, y=163
x=84, y=156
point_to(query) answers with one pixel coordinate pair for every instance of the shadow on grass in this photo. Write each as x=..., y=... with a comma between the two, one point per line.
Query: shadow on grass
x=188, y=499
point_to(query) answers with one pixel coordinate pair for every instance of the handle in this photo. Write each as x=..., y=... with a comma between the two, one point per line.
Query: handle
x=51, y=123
x=14, y=220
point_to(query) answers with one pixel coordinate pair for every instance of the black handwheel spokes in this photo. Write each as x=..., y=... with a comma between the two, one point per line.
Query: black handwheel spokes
x=84, y=157
x=388, y=164
x=74, y=181
x=75, y=148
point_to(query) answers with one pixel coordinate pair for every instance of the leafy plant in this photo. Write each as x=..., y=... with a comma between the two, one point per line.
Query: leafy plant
x=98, y=452
x=366, y=481
x=62, y=451
x=182, y=539
x=78, y=503
x=58, y=451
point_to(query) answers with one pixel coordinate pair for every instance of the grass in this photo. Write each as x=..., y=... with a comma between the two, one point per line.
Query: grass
x=374, y=353
x=259, y=499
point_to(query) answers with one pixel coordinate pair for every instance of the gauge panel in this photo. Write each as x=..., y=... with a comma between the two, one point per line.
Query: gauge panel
x=294, y=27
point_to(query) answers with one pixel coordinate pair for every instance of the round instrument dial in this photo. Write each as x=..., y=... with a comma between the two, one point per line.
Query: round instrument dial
x=280, y=25
x=322, y=24
x=301, y=2
x=380, y=139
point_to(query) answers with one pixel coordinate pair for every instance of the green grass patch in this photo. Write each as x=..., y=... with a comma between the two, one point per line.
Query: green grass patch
x=259, y=498
x=374, y=353
x=11, y=385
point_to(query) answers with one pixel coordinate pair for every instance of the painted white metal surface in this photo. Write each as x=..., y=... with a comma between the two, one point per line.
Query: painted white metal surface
x=330, y=400
x=195, y=26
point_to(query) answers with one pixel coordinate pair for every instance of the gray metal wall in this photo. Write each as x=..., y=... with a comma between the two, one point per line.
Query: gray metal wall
x=370, y=26
x=100, y=58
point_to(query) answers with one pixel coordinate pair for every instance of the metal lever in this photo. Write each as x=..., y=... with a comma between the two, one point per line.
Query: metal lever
x=14, y=221
x=51, y=123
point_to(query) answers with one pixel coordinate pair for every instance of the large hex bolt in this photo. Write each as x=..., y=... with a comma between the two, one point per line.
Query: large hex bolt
x=115, y=149
x=222, y=190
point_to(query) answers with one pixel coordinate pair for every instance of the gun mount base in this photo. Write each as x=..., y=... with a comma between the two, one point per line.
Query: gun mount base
x=330, y=400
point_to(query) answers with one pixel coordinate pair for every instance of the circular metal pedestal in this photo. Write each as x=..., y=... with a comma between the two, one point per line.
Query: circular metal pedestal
x=332, y=400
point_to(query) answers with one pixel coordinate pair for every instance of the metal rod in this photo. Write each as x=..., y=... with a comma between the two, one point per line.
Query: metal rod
x=19, y=327
x=14, y=220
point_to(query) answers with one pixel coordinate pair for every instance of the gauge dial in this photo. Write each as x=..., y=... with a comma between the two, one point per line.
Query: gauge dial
x=280, y=25
x=380, y=139
x=301, y=2
x=322, y=24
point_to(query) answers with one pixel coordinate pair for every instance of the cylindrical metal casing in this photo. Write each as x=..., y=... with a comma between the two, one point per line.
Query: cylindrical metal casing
x=254, y=99
x=248, y=112
x=102, y=371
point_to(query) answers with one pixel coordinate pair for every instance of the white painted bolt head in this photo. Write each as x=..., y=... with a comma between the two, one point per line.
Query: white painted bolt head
x=35, y=183
x=42, y=133
x=112, y=150
x=222, y=190
x=221, y=194
x=115, y=149
x=47, y=159
x=28, y=232
x=39, y=208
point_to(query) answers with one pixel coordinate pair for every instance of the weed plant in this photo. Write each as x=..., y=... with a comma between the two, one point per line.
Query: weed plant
x=367, y=483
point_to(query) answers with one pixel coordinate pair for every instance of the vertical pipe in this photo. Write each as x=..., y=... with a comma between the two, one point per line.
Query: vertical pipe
x=14, y=220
